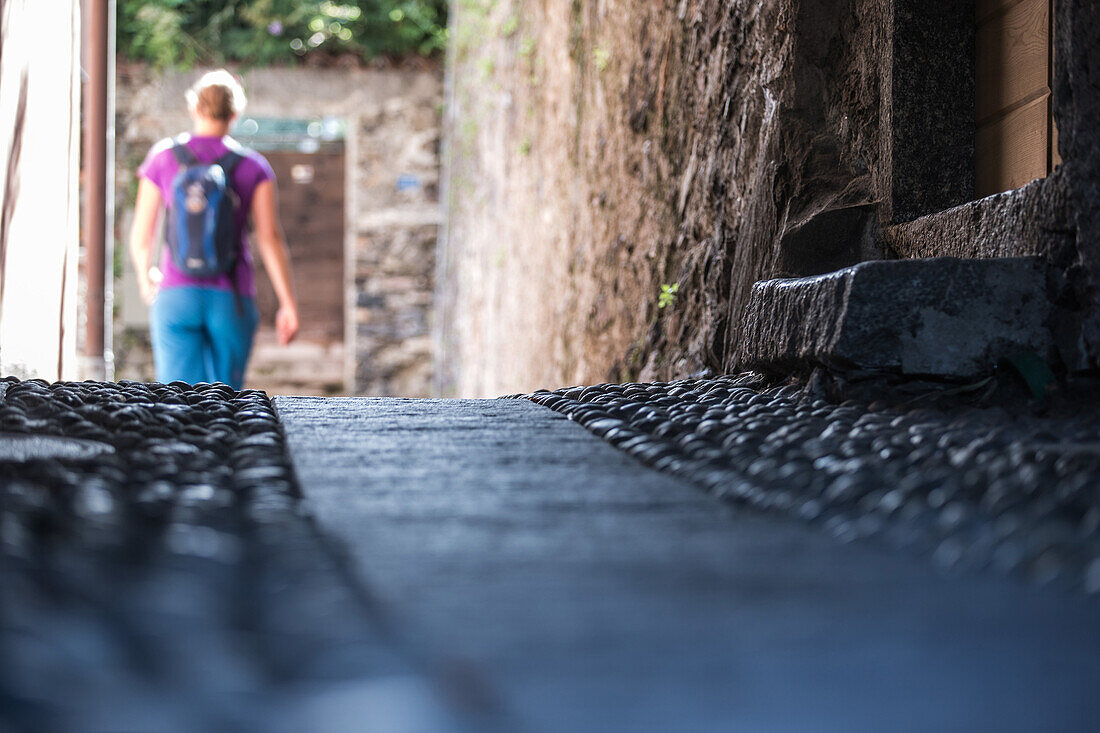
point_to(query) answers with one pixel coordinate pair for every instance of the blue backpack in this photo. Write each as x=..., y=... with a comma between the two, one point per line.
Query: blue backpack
x=204, y=239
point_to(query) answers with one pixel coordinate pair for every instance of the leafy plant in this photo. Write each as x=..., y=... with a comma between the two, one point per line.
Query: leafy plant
x=181, y=33
x=667, y=295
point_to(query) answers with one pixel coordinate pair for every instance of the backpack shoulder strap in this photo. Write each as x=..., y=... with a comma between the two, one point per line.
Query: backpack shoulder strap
x=182, y=152
x=233, y=157
x=229, y=162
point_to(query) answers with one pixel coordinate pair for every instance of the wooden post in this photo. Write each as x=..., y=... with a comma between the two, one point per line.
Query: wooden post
x=95, y=181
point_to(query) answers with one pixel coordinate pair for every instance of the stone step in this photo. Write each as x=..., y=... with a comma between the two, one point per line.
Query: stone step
x=944, y=316
x=305, y=366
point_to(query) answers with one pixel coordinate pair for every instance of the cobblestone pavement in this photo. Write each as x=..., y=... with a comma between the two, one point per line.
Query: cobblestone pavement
x=157, y=574
x=973, y=487
x=584, y=591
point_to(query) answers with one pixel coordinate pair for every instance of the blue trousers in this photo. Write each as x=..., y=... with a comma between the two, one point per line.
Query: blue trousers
x=199, y=335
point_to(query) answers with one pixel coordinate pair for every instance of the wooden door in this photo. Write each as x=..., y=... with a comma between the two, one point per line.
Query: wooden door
x=311, y=206
x=1015, y=140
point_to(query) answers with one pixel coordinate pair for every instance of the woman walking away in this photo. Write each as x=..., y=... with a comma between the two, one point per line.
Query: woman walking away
x=203, y=297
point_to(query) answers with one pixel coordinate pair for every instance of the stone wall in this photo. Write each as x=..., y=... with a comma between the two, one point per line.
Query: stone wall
x=393, y=263
x=392, y=219
x=602, y=151
x=1076, y=110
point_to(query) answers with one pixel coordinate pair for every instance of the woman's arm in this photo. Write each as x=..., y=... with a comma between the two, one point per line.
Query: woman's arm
x=271, y=242
x=142, y=235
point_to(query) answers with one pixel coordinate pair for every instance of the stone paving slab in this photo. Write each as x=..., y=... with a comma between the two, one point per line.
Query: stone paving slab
x=546, y=572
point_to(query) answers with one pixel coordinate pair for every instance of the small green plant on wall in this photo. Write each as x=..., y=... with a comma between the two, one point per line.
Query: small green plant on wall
x=667, y=295
x=509, y=26
x=602, y=57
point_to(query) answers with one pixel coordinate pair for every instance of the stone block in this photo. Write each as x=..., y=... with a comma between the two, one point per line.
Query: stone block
x=944, y=316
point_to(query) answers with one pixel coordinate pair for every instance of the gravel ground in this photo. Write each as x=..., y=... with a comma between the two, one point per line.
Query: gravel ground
x=157, y=572
x=974, y=487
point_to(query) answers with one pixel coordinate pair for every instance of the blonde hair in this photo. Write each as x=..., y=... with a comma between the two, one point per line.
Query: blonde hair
x=217, y=95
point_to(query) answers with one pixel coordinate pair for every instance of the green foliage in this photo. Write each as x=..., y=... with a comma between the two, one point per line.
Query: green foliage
x=668, y=295
x=181, y=33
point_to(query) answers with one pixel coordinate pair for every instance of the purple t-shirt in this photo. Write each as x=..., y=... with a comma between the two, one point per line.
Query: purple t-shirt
x=160, y=167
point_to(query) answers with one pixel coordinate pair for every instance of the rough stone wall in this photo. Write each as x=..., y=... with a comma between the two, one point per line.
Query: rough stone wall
x=393, y=138
x=1077, y=112
x=600, y=149
x=397, y=224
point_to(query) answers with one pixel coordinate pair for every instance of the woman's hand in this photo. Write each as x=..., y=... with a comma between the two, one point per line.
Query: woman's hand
x=276, y=257
x=286, y=323
x=149, y=284
x=142, y=234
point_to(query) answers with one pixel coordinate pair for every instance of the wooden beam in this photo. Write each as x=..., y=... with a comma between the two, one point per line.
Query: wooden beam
x=1012, y=59
x=1012, y=150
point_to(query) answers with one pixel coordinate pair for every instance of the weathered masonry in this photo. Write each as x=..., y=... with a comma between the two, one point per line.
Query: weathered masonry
x=602, y=150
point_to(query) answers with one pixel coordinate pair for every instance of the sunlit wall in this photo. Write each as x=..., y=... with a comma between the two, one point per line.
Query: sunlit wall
x=39, y=201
